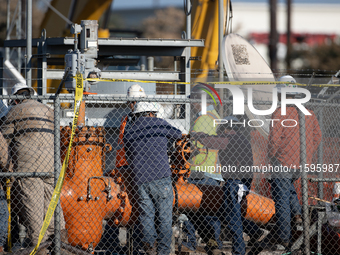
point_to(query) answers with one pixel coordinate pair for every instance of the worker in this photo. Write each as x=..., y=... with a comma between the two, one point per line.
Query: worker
x=29, y=132
x=135, y=91
x=205, y=172
x=284, y=150
x=4, y=167
x=204, y=123
x=146, y=144
x=234, y=152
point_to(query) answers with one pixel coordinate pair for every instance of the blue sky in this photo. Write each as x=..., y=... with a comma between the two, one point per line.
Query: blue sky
x=127, y=4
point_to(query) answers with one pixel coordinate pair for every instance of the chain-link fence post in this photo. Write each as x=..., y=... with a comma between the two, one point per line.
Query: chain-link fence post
x=303, y=161
x=56, y=241
x=320, y=153
x=320, y=184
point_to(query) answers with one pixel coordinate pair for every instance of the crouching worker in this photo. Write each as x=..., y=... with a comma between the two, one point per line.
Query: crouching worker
x=146, y=144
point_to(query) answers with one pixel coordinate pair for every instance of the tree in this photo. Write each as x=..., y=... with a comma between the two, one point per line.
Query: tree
x=38, y=15
x=322, y=57
x=168, y=24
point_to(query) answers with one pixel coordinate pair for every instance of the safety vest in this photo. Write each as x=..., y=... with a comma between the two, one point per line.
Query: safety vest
x=120, y=154
x=205, y=124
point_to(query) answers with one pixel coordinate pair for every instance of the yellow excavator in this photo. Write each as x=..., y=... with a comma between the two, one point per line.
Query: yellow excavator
x=205, y=18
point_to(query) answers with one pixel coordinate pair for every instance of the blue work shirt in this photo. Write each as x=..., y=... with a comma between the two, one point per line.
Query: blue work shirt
x=146, y=143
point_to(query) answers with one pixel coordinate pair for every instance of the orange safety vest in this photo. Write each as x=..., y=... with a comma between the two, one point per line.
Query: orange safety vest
x=120, y=154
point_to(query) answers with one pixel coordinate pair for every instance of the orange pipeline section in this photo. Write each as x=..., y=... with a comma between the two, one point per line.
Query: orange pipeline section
x=87, y=197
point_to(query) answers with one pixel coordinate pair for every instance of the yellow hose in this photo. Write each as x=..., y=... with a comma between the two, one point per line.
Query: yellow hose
x=8, y=198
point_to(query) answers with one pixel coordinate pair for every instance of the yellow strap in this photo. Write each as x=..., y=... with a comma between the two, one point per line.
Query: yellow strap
x=57, y=190
x=8, y=198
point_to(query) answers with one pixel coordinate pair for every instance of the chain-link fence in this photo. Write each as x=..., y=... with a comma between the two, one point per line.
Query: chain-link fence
x=187, y=181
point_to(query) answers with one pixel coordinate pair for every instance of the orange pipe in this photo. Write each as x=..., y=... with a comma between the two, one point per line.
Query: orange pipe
x=87, y=197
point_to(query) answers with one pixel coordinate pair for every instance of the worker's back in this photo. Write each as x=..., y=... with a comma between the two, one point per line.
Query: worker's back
x=29, y=131
x=146, y=147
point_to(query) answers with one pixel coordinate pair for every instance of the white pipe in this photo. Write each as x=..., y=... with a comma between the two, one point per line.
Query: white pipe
x=13, y=72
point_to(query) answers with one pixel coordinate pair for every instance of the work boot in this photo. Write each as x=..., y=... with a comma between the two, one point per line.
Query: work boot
x=254, y=238
x=270, y=242
x=43, y=251
x=212, y=248
x=150, y=250
x=297, y=219
x=186, y=249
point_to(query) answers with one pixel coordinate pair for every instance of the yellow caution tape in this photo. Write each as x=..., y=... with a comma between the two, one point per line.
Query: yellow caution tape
x=57, y=190
x=240, y=83
x=8, y=198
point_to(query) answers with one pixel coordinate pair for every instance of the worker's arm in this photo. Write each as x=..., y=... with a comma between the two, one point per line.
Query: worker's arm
x=210, y=141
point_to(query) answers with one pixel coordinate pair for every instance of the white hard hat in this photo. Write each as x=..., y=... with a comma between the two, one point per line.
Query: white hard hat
x=136, y=90
x=145, y=107
x=290, y=79
x=287, y=78
x=160, y=110
x=19, y=86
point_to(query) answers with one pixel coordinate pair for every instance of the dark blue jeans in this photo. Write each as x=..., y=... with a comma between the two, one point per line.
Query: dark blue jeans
x=286, y=206
x=233, y=218
x=3, y=218
x=155, y=200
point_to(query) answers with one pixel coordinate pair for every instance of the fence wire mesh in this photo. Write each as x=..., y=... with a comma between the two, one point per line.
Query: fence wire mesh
x=155, y=175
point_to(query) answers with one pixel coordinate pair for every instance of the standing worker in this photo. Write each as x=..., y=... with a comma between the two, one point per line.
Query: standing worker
x=29, y=132
x=235, y=152
x=205, y=173
x=146, y=143
x=135, y=91
x=284, y=150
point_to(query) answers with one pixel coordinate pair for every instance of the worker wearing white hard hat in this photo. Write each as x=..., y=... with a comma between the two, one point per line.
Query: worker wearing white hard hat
x=135, y=91
x=21, y=89
x=28, y=129
x=146, y=143
x=290, y=84
x=17, y=88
